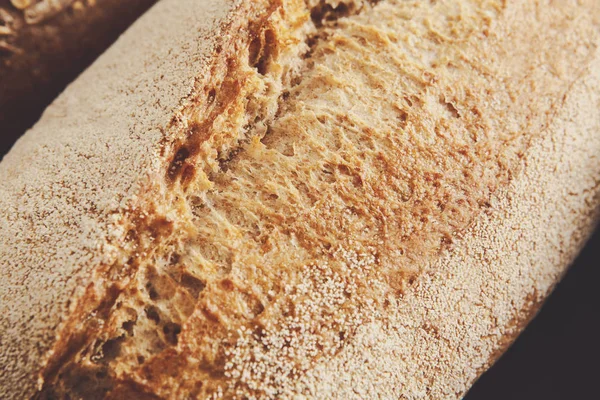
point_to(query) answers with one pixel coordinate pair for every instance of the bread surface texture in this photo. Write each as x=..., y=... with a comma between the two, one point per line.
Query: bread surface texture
x=45, y=44
x=311, y=199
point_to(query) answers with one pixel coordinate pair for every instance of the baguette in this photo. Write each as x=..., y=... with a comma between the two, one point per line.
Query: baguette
x=300, y=199
x=45, y=44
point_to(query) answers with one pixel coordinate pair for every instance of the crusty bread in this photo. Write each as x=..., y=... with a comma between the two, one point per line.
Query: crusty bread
x=276, y=199
x=45, y=44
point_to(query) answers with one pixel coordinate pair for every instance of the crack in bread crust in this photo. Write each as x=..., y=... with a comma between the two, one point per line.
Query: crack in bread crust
x=334, y=151
x=326, y=171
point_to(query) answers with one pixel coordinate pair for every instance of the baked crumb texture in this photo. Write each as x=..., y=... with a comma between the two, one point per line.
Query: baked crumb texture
x=333, y=199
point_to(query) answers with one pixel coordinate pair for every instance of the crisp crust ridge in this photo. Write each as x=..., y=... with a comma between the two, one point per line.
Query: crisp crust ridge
x=103, y=125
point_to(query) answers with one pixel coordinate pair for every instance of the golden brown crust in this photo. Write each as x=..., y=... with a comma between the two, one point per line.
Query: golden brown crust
x=327, y=199
x=45, y=44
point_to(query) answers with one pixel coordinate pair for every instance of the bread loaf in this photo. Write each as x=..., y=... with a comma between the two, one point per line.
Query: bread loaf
x=300, y=199
x=45, y=44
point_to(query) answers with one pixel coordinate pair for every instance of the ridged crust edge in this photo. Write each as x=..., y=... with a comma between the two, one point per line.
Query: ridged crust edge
x=93, y=130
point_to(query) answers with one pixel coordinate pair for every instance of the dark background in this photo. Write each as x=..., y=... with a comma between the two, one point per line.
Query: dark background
x=558, y=355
